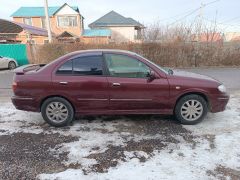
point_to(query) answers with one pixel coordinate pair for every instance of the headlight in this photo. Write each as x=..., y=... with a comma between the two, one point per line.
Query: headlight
x=222, y=88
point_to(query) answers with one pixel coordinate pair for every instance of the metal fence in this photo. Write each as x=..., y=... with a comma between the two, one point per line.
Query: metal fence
x=15, y=51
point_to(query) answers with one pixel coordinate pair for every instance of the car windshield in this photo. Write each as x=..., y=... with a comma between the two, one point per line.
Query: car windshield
x=164, y=69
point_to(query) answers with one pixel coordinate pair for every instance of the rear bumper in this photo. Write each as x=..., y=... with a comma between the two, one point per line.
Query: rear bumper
x=219, y=103
x=25, y=103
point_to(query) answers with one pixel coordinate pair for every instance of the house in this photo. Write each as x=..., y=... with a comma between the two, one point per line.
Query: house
x=96, y=36
x=231, y=36
x=208, y=37
x=66, y=22
x=14, y=32
x=123, y=29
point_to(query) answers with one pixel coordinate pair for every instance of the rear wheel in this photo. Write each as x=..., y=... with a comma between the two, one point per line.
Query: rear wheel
x=57, y=111
x=12, y=65
x=191, y=109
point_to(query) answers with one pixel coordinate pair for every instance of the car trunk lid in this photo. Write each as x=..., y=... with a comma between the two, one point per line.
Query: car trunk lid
x=28, y=68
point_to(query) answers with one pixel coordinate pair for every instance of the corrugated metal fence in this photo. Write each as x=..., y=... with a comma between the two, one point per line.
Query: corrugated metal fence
x=15, y=51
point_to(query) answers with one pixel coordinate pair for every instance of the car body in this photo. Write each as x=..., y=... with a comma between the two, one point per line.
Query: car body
x=7, y=63
x=97, y=82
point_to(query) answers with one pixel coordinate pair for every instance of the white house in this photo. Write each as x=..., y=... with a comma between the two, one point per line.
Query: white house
x=123, y=29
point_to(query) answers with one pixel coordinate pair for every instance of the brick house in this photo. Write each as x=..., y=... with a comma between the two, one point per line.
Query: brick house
x=14, y=32
x=66, y=21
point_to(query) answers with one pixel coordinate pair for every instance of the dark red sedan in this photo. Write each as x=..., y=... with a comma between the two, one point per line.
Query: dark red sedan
x=95, y=82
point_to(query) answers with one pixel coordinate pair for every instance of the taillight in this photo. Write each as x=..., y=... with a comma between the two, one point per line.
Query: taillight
x=14, y=86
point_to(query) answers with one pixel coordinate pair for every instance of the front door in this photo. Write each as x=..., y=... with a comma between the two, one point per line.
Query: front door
x=82, y=79
x=130, y=87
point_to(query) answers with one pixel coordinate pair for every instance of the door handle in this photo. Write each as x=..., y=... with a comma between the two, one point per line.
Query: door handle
x=116, y=84
x=63, y=83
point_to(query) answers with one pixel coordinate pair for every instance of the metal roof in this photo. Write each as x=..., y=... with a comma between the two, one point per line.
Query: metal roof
x=114, y=19
x=97, y=32
x=38, y=11
x=15, y=28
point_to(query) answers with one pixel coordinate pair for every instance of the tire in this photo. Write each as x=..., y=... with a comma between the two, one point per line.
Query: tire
x=12, y=65
x=191, y=109
x=57, y=112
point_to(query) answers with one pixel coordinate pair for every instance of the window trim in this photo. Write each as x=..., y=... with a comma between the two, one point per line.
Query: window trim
x=42, y=18
x=133, y=57
x=30, y=20
x=82, y=75
x=57, y=17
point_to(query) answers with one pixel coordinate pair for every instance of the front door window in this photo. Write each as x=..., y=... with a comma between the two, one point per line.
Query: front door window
x=126, y=67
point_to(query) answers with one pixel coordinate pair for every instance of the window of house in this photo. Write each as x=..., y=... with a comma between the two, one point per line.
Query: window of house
x=27, y=21
x=44, y=25
x=126, y=67
x=31, y=41
x=46, y=41
x=137, y=33
x=67, y=21
x=89, y=65
x=66, y=68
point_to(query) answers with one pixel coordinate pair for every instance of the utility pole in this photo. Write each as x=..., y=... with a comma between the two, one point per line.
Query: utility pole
x=200, y=20
x=48, y=22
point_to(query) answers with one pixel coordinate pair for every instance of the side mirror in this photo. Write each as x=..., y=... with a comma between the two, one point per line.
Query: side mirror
x=151, y=76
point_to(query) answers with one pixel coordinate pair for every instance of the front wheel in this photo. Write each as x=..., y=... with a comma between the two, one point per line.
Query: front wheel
x=191, y=109
x=57, y=111
x=12, y=65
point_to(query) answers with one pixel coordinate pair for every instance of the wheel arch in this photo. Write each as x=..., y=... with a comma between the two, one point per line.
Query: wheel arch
x=52, y=96
x=203, y=95
x=12, y=61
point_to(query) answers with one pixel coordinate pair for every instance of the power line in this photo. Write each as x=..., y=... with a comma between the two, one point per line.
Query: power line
x=177, y=15
x=195, y=10
x=232, y=19
x=192, y=12
x=211, y=2
x=220, y=23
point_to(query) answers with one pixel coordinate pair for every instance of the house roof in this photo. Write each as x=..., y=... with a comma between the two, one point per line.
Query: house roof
x=38, y=11
x=114, y=19
x=97, y=32
x=67, y=34
x=15, y=28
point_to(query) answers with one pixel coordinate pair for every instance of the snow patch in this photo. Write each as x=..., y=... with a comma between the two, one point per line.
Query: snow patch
x=217, y=143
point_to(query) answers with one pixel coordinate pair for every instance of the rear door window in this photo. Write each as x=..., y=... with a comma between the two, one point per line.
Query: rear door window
x=66, y=68
x=89, y=65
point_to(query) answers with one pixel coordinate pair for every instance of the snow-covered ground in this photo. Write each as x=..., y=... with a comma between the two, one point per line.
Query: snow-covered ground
x=138, y=147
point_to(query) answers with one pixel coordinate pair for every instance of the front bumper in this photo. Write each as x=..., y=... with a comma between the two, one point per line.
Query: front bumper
x=219, y=102
x=25, y=103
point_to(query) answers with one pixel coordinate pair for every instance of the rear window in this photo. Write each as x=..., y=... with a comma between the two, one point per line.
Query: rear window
x=88, y=65
x=66, y=68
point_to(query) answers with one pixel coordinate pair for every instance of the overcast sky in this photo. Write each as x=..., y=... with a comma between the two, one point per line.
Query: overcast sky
x=145, y=11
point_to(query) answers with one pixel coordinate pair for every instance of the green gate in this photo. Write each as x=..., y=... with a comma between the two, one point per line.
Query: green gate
x=15, y=51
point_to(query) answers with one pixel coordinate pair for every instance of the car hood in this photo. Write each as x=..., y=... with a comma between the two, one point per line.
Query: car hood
x=186, y=74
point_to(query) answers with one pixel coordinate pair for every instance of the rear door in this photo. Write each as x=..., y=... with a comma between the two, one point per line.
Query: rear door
x=130, y=88
x=82, y=79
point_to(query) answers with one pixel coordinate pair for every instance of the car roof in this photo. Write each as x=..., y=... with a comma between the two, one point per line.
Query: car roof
x=103, y=50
